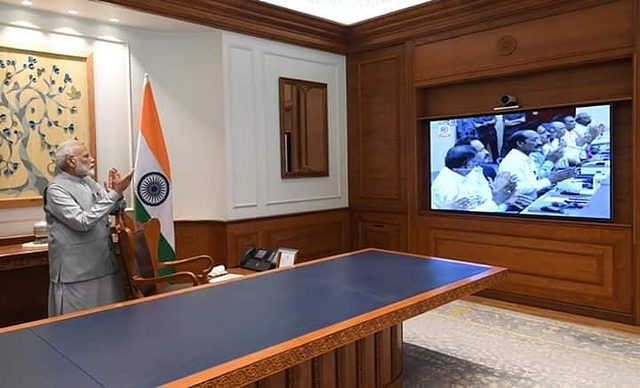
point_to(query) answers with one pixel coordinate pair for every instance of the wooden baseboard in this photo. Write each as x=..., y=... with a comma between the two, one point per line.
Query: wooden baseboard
x=552, y=314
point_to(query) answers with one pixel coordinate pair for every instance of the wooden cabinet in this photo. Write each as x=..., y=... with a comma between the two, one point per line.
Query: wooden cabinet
x=377, y=105
x=380, y=230
x=24, y=284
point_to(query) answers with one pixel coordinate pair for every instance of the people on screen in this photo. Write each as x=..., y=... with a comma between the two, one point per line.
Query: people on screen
x=545, y=157
x=482, y=155
x=513, y=122
x=461, y=185
x=583, y=120
x=519, y=163
x=485, y=127
x=83, y=268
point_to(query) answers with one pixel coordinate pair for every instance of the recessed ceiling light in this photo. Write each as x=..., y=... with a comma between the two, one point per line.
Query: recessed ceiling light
x=26, y=2
x=22, y=23
x=115, y=20
x=72, y=12
x=67, y=30
x=109, y=38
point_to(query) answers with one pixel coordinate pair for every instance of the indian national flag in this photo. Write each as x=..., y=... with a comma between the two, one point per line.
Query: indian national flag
x=152, y=177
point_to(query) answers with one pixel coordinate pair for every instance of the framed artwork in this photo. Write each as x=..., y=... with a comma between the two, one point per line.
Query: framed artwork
x=45, y=99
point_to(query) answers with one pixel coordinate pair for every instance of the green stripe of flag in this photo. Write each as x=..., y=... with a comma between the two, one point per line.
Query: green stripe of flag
x=141, y=214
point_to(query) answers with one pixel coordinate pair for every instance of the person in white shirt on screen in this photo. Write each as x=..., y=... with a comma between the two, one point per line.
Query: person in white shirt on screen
x=518, y=163
x=460, y=185
x=583, y=120
x=575, y=142
x=556, y=133
x=482, y=155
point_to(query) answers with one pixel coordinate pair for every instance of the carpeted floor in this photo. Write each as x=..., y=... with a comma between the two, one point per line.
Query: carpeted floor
x=465, y=344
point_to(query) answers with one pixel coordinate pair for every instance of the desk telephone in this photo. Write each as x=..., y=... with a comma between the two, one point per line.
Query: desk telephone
x=259, y=259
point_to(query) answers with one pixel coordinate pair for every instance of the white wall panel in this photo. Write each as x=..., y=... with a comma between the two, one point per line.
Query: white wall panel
x=186, y=71
x=269, y=61
x=241, y=125
x=217, y=97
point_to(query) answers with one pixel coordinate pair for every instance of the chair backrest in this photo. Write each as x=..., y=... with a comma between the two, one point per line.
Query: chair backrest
x=152, y=232
x=136, y=260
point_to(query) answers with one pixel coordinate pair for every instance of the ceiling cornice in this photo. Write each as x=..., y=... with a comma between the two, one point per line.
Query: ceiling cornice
x=440, y=18
x=250, y=17
x=435, y=20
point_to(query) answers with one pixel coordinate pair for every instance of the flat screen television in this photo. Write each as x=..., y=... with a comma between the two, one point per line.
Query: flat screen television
x=552, y=162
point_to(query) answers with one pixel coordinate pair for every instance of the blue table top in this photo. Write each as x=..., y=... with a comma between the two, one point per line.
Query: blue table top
x=151, y=343
x=26, y=360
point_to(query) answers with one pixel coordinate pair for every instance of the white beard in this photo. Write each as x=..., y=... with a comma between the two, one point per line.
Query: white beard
x=83, y=171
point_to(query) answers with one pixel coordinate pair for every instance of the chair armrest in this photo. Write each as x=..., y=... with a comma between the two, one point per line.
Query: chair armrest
x=200, y=265
x=178, y=277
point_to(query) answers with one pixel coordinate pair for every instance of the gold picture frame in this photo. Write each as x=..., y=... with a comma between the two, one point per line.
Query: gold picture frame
x=45, y=99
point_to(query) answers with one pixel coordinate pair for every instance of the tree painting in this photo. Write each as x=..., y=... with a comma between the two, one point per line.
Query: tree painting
x=43, y=102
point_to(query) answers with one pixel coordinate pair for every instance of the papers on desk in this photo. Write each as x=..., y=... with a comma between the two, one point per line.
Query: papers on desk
x=219, y=273
x=224, y=277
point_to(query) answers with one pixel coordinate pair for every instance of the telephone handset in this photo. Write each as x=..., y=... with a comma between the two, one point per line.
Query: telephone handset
x=259, y=259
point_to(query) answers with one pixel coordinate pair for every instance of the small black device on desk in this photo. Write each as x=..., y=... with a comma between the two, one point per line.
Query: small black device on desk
x=259, y=259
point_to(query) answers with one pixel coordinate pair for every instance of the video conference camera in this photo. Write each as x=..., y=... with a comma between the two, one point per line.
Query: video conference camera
x=508, y=100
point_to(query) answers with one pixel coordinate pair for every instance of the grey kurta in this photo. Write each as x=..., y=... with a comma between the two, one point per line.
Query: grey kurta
x=83, y=269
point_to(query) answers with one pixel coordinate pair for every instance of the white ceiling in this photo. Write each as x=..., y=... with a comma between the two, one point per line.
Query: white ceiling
x=97, y=10
x=341, y=11
x=346, y=11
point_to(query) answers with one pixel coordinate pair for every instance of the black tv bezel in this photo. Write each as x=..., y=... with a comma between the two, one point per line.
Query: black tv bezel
x=427, y=203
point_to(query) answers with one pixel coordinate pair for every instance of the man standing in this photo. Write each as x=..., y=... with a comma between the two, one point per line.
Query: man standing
x=83, y=269
x=513, y=122
x=486, y=132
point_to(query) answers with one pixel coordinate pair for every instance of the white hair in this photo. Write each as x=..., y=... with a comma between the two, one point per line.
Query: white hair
x=65, y=149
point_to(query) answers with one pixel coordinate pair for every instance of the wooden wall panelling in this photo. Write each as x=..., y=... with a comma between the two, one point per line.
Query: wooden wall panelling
x=377, y=98
x=559, y=261
x=380, y=230
x=312, y=241
x=580, y=267
x=547, y=42
x=252, y=18
x=606, y=81
x=201, y=238
x=442, y=19
x=315, y=234
x=623, y=161
x=634, y=161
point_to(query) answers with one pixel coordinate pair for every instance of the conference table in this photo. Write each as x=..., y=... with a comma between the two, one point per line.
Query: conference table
x=334, y=322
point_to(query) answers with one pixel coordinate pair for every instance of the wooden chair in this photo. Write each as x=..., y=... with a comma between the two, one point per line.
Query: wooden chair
x=140, y=265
